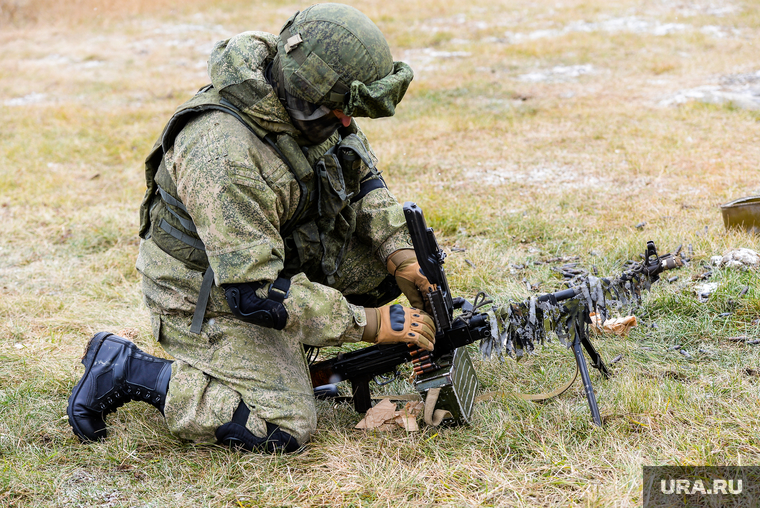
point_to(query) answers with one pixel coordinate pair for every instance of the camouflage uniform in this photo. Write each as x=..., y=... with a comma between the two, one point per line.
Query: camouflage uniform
x=239, y=194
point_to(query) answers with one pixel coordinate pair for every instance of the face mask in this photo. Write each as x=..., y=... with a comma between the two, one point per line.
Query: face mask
x=316, y=123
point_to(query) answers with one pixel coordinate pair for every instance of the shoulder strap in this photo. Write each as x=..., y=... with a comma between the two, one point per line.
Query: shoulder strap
x=534, y=397
x=367, y=185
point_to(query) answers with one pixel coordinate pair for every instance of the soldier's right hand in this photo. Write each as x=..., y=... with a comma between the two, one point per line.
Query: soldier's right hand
x=394, y=323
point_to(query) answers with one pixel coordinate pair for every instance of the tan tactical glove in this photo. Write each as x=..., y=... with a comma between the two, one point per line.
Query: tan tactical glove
x=404, y=266
x=395, y=323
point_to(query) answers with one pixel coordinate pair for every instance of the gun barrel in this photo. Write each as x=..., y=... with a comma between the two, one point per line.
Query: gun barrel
x=565, y=294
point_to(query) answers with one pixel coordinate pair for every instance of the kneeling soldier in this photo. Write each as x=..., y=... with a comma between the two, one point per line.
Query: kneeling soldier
x=265, y=227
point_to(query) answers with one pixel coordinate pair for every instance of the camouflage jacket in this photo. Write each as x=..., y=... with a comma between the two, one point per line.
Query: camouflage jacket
x=240, y=194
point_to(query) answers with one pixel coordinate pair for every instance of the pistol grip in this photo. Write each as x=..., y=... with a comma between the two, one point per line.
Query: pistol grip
x=361, y=393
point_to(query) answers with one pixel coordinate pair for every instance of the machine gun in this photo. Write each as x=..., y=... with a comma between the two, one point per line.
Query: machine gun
x=445, y=377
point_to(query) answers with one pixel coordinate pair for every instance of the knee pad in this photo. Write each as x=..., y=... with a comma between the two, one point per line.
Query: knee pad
x=235, y=434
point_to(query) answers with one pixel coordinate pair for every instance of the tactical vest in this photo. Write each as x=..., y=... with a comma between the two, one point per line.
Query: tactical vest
x=317, y=235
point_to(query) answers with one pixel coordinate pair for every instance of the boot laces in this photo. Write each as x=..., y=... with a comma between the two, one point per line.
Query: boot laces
x=121, y=396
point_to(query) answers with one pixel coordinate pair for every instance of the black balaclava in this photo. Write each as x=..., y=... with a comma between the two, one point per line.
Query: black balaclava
x=316, y=123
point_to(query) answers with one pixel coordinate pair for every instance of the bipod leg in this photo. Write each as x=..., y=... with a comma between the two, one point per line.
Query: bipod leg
x=596, y=358
x=583, y=369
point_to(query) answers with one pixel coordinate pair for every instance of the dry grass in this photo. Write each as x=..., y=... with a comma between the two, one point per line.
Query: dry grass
x=532, y=130
x=22, y=13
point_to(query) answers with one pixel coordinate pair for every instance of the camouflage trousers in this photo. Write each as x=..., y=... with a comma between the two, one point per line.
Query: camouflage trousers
x=232, y=360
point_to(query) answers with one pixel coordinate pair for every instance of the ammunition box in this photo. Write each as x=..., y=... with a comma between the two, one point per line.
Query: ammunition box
x=458, y=383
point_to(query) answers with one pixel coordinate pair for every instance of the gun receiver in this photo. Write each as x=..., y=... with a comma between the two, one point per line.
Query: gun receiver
x=431, y=258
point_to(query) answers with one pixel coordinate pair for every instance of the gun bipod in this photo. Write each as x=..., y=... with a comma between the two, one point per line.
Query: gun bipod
x=587, y=386
x=596, y=358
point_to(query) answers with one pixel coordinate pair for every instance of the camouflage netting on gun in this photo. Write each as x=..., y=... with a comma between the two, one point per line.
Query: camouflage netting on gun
x=517, y=326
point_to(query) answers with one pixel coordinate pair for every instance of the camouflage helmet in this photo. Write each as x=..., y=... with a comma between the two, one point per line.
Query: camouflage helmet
x=332, y=55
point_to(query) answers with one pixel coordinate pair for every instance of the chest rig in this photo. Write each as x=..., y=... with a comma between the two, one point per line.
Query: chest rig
x=317, y=234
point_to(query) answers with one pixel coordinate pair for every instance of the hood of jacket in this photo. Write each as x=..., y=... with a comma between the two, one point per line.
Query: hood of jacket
x=236, y=68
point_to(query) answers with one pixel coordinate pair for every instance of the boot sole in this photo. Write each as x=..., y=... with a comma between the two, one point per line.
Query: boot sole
x=93, y=347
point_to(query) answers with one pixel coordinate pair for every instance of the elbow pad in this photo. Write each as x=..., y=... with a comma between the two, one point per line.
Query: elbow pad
x=268, y=312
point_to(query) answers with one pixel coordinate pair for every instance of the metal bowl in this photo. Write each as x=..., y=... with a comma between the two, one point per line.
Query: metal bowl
x=742, y=213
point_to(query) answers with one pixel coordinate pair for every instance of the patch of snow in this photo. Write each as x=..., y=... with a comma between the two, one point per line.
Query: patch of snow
x=423, y=59
x=629, y=24
x=741, y=90
x=741, y=79
x=720, y=32
x=187, y=28
x=710, y=8
x=32, y=98
x=55, y=59
x=722, y=11
x=180, y=43
x=557, y=73
x=541, y=176
x=435, y=25
x=714, y=31
x=701, y=92
x=669, y=28
x=492, y=40
x=447, y=54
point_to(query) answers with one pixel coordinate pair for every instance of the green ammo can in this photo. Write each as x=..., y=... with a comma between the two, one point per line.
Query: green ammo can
x=455, y=384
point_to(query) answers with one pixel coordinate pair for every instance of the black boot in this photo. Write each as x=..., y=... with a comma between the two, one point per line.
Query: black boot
x=115, y=372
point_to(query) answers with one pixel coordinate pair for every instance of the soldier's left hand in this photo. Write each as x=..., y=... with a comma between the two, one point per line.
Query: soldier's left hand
x=409, y=277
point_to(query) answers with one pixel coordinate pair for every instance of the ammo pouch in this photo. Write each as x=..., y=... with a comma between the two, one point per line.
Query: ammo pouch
x=321, y=243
